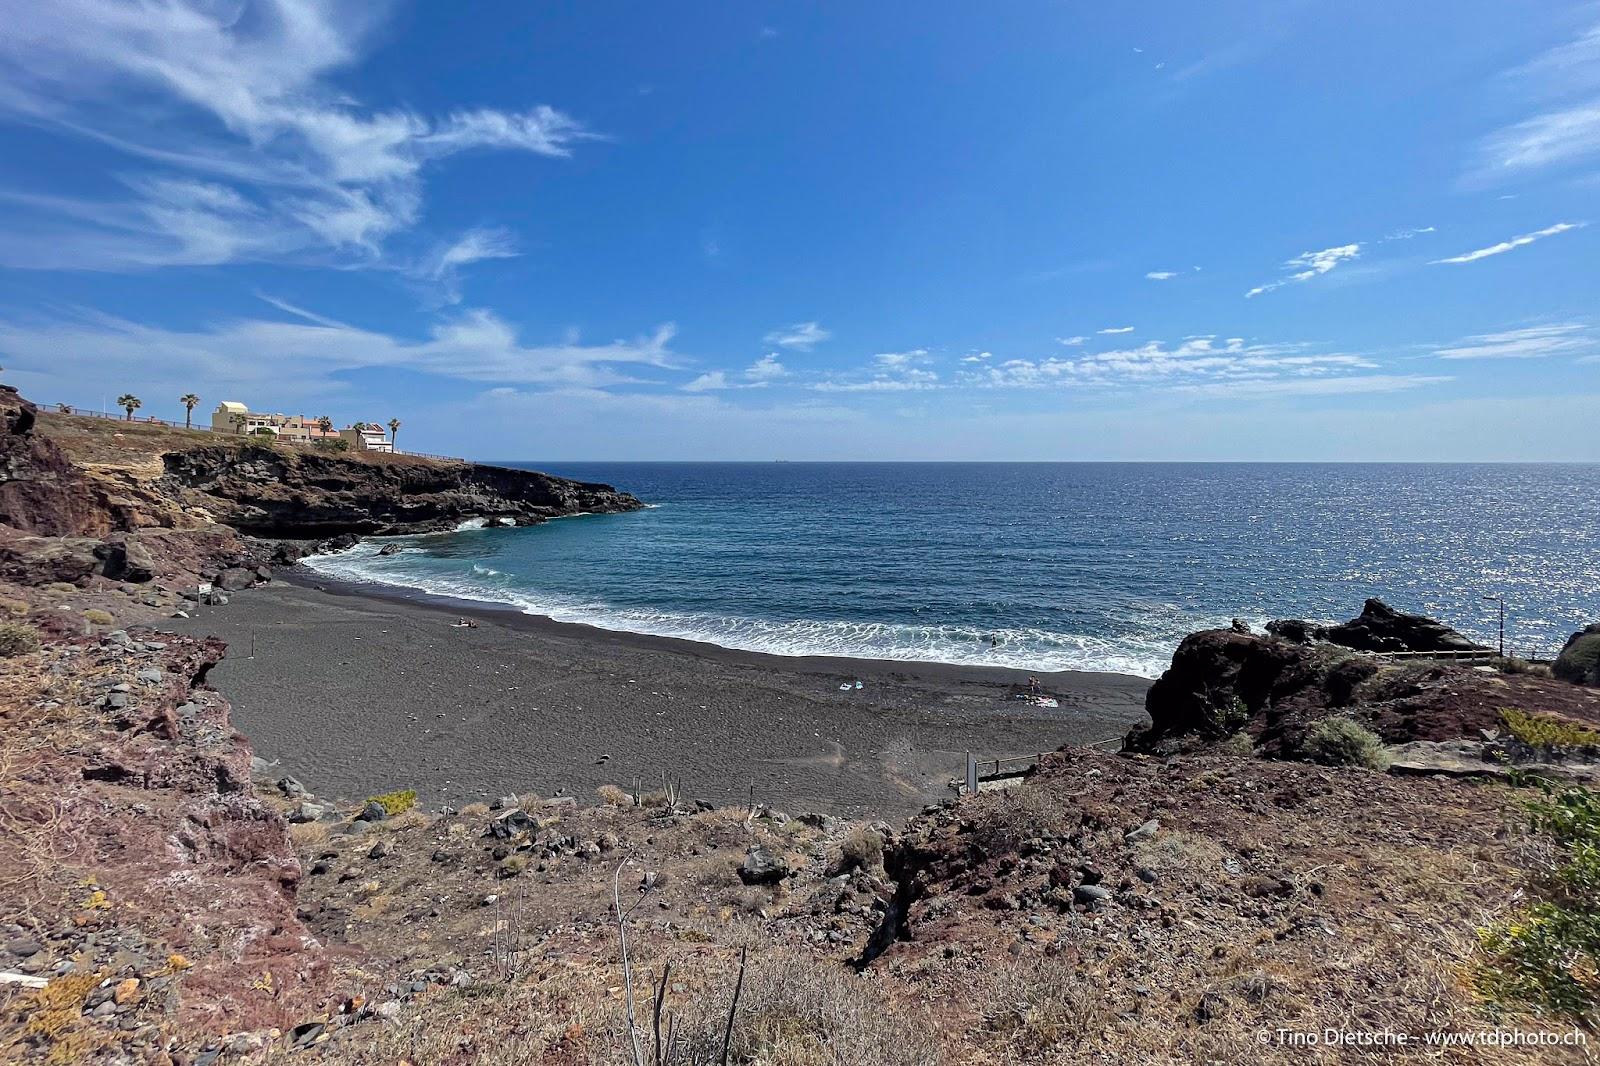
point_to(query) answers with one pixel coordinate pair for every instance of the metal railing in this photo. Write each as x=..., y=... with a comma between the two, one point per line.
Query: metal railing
x=136, y=420
x=980, y=772
x=151, y=420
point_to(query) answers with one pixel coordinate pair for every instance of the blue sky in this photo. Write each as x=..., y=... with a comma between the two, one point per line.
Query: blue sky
x=1285, y=230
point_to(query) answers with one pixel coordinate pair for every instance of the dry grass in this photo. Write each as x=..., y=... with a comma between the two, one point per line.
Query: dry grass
x=17, y=639
x=1035, y=1006
x=119, y=443
x=1177, y=852
x=614, y=796
x=475, y=810
x=861, y=849
x=308, y=835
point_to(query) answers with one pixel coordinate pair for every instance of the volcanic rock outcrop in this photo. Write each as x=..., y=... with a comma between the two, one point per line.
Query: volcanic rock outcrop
x=1222, y=682
x=271, y=492
x=1378, y=627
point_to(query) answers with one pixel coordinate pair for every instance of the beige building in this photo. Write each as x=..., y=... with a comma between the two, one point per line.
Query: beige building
x=235, y=418
x=369, y=438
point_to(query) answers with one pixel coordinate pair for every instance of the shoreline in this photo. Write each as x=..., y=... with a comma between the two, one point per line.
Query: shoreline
x=509, y=614
x=357, y=690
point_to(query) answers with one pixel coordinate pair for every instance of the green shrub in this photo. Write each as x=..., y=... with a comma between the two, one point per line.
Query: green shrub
x=1547, y=731
x=398, y=802
x=1579, y=661
x=96, y=617
x=1239, y=745
x=17, y=639
x=1344, y=742
x=1226, y=717
x=1547, y=956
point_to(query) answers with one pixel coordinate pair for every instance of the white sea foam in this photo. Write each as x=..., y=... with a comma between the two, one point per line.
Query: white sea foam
x=1018, y=648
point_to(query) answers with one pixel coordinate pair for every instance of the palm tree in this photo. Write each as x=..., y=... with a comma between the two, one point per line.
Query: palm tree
x=190, y=401
x=325, y=424
x=394, y=430
x=129, y=403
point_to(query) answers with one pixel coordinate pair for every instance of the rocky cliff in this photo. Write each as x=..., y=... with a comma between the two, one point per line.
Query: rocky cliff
x=275, y=492
x=85, y=499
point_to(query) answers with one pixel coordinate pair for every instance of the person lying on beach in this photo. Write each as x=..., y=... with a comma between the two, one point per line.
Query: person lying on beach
x=465, y=623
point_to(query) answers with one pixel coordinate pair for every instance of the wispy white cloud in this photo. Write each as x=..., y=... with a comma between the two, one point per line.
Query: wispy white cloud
x=1161, y=275
x=1308, y=265
x=1530, y=342
x=757, y=375
x=802, y=336
x=888, y=372
x=1115, y=329
x=1544, y=140
x=1514, y=242
x=1566, y=130
x=1231, y=363
x=1409, y=233
x=286, y=166
x=1071, y=342
x=1358, y=384
x=444, y=264
x=308, y=356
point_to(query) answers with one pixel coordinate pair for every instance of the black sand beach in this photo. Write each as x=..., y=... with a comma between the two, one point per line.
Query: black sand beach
x=356, y=693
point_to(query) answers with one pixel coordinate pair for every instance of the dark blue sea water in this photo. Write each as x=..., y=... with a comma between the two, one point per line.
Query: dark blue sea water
x=1045, y=566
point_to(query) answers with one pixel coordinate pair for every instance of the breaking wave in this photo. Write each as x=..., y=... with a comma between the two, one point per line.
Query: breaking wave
x=1019, y=648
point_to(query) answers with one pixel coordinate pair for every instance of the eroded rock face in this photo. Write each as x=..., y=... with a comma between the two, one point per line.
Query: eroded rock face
x=41, y=492
x=265, y=492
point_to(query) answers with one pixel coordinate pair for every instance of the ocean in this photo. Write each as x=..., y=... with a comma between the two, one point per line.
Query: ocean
x=1042, y=566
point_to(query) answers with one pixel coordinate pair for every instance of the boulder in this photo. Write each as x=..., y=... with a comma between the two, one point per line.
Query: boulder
x=513, y=823
x=1380, y=627
x=1090, y=895
x=235, y=578
x=1295, y=630
x=762, y=867
x=372, y=812
x=389, y=549
x=125, y=560
x=1579, y=661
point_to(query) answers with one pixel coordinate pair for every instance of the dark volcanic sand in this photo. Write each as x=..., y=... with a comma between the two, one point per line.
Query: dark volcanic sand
x=355, y=693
